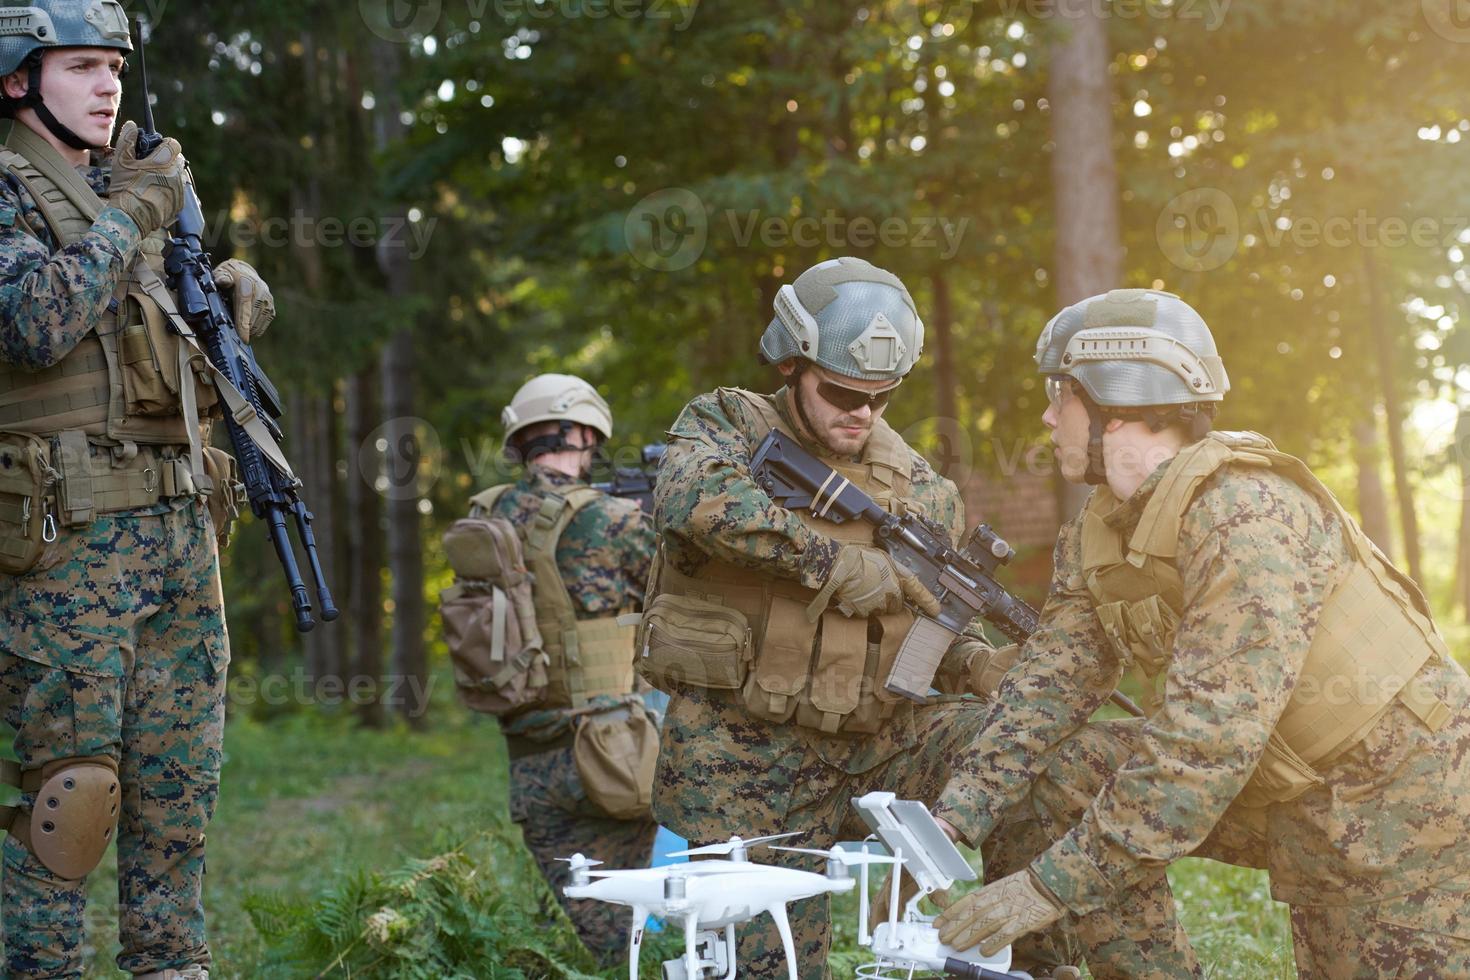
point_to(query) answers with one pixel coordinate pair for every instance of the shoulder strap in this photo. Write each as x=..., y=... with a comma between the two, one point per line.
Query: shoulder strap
x=483, y=503
x=555, y=602
x=42, y=157
x=1158, y=528
x=889, y=459
x=761, y=407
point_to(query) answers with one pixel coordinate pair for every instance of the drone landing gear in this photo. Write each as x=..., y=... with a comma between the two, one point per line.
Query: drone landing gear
x=714, y=957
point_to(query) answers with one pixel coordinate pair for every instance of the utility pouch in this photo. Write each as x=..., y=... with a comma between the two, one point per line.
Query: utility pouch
x=837, y=679
x=1280, y=776
x=689, y=641
x=615, y=753
x=27, y=519
x=228, y=499
x=783, y=662
x=148, y=358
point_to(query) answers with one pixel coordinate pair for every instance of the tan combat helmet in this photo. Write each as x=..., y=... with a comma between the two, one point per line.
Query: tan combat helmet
x=562, y=398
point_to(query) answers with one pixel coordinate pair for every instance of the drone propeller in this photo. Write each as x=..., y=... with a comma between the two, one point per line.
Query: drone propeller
x=850, y=858
x=578, y=861
x=696, y=870
x=732, y=845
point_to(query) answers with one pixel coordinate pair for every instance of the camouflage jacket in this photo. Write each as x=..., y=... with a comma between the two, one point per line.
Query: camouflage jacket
x=50, y=299
x=708, y=507
x=1258, y=556
x=604, y=557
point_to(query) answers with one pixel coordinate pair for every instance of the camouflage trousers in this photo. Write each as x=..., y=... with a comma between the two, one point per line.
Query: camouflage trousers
x=558, y=820
x=721, y=773
x=115, y=646
x=1422, y=935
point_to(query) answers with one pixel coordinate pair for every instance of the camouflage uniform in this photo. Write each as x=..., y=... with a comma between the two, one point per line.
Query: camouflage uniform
x=114, y=645
x=1374, y=862
x=720, y=770
x=604, y=556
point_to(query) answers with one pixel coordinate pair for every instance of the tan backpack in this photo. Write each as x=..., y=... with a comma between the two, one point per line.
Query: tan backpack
x=490, y=617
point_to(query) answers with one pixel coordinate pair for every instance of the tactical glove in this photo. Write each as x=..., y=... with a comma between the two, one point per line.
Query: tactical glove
x=864, y=581
x=255, y=308
x=149, y=191
x=999, y=914
x=986, y=665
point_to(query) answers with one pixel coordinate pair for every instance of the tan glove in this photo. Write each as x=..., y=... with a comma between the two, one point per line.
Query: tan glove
x=864, y=581
x=999, y=914
x=986, y=665
x=254, y=307
x=150, y=191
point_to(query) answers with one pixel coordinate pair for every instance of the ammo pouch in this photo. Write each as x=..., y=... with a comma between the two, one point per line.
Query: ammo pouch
x=615, y=752
x=27, y=516
x=689, y=641
x=228, y=499
x=1280, y=776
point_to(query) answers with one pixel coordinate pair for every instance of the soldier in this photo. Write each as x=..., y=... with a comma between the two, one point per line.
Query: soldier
x=1311, y=721
x=590, y=555
x=774, y=630
x=112, y=664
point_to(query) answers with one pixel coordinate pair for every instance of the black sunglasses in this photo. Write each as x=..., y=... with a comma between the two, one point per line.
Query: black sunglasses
x=851, y=399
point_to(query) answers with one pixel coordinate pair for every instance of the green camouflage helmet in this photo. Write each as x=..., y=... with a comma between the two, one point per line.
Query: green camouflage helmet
x=1134, y=348
x=60, y=24
x=850, y=317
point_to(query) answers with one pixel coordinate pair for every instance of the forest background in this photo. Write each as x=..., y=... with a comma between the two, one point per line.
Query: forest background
x=449, y=196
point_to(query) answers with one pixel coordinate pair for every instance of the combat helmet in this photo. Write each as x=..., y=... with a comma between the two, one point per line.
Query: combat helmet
x=1137, y=354
x=27, y=32
x=562, y=398
x=850, y=317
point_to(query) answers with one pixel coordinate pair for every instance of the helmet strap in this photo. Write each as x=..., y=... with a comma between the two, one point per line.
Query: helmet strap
x=1097, y=473
x=557, y=442
x=33, y=100
x=794, y=383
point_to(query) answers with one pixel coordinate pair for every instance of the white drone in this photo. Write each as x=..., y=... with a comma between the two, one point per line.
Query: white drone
x=708, y=898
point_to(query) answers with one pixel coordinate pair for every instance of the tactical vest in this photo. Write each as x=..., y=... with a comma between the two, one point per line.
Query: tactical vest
x=588, y=657
x=827, y=675
x=1373, y=636
x=121, y=385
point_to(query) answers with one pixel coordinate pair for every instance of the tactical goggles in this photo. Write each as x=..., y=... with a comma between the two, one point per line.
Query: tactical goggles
x=1058, y=388
x=851, y=399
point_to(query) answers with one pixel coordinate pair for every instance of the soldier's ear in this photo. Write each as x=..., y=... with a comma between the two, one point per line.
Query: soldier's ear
x=17, y=83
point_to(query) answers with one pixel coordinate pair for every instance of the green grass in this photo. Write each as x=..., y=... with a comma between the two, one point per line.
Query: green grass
x=312, y=805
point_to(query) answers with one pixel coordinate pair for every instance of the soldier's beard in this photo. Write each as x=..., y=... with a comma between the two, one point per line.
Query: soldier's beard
x=830, y=431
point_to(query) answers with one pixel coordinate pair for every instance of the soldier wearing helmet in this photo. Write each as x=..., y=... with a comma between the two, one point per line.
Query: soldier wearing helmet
x=1308, y=716
x=778, y=627
x=590, y=555
x=112, y=670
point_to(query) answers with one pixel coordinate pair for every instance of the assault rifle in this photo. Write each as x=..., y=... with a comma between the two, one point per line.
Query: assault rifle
x=962, y=580
x=253, y=406
x=635, y=482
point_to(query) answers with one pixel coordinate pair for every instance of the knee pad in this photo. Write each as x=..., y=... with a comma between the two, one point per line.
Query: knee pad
x=75, y=814
x=193, y=971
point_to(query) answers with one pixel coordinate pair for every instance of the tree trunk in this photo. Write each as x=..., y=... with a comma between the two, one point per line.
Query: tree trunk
x=1388, y=379
x=405, y=549
x=1089, y=251
x=325, y=510
x=1372, y=497
x=364, y=551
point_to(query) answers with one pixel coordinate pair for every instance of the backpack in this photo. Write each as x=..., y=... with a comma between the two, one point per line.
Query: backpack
x=500, y=664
